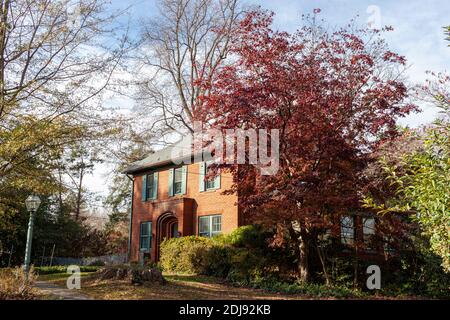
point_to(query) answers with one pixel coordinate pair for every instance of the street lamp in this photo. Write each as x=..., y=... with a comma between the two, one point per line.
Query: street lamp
x=32, y=203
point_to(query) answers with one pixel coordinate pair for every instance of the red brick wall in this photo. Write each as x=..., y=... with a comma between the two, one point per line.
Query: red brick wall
x=187, y=212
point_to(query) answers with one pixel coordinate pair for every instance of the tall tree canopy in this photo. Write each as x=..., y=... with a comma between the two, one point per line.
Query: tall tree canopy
x=47, y=81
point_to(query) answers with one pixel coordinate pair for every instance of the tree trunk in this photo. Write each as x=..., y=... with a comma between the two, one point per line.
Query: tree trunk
x=303, y=263
x=355, y=268
x=60, y=199
x=322, y=258
x=79, y=196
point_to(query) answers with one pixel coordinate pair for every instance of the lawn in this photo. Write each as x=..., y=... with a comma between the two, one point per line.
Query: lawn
x=181, y=287
x=59, y=278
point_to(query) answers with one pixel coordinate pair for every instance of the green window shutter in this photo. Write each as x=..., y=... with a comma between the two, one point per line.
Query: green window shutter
x=184, y=180
x=217, y=181
x=201, y=176
x=170, y=182
x=144, y=188
x=155, y=186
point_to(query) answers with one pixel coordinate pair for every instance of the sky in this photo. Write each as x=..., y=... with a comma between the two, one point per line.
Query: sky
x=418, y=35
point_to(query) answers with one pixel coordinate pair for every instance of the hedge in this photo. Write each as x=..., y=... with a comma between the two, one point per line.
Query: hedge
x=63, y=269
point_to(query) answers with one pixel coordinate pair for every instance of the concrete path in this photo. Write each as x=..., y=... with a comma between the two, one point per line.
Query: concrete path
x=59, y=292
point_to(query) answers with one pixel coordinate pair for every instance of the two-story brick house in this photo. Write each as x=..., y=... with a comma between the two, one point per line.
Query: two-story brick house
x=171, y=200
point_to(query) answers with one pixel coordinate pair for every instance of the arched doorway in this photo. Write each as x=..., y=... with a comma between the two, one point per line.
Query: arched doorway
x=166, y=228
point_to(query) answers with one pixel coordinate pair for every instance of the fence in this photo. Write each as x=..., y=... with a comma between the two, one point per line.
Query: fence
x=65, y=261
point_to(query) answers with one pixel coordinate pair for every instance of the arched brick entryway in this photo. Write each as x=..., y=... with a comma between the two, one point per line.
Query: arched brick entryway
x=166, y=228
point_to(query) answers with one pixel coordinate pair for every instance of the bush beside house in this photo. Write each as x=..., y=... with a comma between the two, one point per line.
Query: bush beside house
x=244, y=258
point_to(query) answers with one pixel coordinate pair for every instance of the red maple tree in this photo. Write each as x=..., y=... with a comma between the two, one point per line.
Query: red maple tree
x=333, y=95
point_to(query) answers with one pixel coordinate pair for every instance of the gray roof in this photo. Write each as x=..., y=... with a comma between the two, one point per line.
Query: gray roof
x=172, y=154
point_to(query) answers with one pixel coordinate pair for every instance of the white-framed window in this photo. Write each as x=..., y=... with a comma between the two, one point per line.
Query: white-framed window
x=209, y=226
x=207, y=182
x=178, y=180
x=210, y=183
x=347, y=230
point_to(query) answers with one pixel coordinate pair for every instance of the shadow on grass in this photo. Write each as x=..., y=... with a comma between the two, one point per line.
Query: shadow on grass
x=62, y=277
x=193, y=278
x=179, y=287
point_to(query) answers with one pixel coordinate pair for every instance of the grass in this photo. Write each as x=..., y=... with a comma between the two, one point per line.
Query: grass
x=63, y=269
x=178, y=287
x=14, y=285
x=59, y=277
x=185, y=287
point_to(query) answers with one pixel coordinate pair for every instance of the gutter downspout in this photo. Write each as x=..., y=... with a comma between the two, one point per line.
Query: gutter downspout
x=130, y=219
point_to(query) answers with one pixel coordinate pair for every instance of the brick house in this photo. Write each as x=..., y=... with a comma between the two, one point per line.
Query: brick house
x=170, y=200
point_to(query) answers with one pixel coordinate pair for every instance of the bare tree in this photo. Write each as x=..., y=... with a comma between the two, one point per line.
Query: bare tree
x=56, y=58
x=187, y=41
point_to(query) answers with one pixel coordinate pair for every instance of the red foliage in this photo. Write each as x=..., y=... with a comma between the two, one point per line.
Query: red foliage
x=332, y=95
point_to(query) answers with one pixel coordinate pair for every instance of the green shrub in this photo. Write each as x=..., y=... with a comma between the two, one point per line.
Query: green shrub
x=238, y=257
x=418, y=273
x=184, y=255
x=243, y=258
x=217, y=260
x=251, y=236
x=311, y=289
x=63, y=269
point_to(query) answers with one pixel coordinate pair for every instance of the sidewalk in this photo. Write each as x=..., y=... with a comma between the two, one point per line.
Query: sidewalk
x=59, y=292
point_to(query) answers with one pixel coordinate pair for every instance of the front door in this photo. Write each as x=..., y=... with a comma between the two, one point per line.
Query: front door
x=174, y=230
x=166, y=228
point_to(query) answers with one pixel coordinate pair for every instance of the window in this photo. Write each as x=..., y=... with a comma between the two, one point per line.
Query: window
x=177, y=180
x=368, y=229
x=209, y=226
x=211, y=182
x=216, y=225
x=150, y=186
x=347, y=230
x=206, y=182
x=145, y=239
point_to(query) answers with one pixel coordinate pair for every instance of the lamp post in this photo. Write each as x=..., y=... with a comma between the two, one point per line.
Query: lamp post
x=32, y=203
